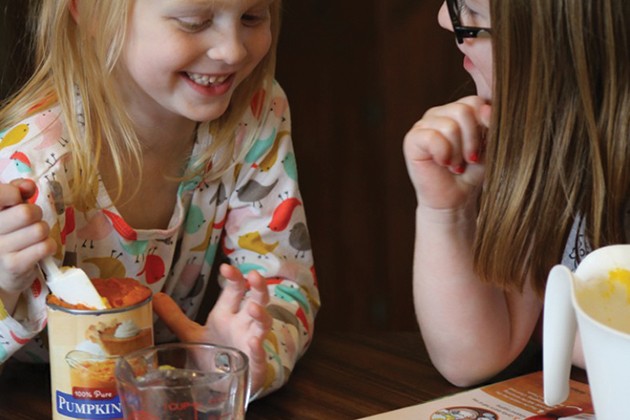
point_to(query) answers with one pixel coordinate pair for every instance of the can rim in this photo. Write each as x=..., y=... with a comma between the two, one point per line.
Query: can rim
x=98, y=311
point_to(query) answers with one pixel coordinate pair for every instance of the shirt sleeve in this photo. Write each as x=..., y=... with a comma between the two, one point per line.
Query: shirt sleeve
x=266, y=231
x=27, y=155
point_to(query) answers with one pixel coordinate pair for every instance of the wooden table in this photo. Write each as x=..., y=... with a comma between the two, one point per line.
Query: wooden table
x=342, y=376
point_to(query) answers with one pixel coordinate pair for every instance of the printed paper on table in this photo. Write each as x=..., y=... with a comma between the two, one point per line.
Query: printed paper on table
x=517, y=398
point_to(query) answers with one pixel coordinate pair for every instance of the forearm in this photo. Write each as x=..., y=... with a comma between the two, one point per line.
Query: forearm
x=472, y=330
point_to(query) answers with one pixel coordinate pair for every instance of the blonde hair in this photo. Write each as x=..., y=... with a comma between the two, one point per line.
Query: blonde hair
x=71, y=61
x=559, y=144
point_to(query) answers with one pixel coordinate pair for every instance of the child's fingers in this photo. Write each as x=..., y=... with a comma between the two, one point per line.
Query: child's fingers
x=10, y=195
x=19, y=216
x=27, y=187
x=229, y=271
x=452, y=134
x=173, y=317
x=16, y=238
x=468, y=131
x=16, y=272
x=261, y=319
x=257, y=353
x=257, y=356
x=16, y=192
x=430, y=143
x=259, y=292
x=257, y=363
x=232, y=294
x=22, y=261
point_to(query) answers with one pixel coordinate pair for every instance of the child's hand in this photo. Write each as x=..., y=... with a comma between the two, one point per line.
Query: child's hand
x=24, y=237
x=235, y=321
x=443, y=152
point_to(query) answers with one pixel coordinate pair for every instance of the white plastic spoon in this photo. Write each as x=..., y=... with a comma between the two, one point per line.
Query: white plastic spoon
x=71, y=285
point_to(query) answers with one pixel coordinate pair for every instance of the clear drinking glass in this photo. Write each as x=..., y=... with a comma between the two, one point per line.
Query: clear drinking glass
x=183, y=381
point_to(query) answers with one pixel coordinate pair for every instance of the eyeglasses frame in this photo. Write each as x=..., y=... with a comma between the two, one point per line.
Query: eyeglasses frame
x=462, y=32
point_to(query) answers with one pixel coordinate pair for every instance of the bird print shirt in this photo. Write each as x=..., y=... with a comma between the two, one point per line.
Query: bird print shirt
x=253, y=215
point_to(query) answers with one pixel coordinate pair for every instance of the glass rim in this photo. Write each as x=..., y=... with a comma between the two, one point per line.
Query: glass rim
x=241, y=366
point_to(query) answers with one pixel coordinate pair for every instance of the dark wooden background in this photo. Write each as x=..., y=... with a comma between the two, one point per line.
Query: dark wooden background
x=358, y=73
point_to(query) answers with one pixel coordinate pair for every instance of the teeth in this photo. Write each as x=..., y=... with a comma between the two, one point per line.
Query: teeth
x=206, y=80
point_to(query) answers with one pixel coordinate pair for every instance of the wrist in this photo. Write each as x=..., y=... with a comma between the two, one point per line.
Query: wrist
x=447, y=216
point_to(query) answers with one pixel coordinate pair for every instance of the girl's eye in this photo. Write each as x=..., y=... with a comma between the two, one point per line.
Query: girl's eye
x=464, y=10
x=255, y=18
x=193, y=24
x=467, y=15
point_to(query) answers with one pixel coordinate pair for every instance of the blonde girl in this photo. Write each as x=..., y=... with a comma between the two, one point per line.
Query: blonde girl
x=151, y=137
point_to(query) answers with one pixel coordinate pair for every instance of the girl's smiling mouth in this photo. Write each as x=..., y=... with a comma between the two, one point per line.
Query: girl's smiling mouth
x=206, y=79
x=209, y=85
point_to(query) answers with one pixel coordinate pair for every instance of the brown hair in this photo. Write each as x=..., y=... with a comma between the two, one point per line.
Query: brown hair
x=558, y=146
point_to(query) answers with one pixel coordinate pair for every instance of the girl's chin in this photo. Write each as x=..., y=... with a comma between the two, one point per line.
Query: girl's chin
x=483, y=90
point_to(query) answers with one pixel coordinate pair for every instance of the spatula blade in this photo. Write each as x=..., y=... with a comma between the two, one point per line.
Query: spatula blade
x=74, y=287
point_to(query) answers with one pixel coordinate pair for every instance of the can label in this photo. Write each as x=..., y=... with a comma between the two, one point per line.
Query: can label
x=84, y=346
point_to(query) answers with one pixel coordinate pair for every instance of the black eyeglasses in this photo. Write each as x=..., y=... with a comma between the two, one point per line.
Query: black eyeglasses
x=461, y=32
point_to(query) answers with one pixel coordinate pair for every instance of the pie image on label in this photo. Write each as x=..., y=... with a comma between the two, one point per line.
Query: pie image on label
x=118, y=338
x=92, y=362
x=88, y=371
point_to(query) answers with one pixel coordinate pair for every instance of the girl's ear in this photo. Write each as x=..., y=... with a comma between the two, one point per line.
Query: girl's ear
x=73, y=10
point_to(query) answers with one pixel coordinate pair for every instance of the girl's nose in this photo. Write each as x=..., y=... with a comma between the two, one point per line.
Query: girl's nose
x=228, y=46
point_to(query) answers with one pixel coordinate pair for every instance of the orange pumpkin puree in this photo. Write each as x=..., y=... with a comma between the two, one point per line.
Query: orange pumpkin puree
x=119, y=292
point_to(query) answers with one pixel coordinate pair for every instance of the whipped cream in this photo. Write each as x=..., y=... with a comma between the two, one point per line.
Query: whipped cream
x=90, y=347
x=127, y=329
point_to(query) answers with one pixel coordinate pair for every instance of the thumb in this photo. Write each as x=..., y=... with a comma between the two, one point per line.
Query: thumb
x=172, y=316
x=26, y=186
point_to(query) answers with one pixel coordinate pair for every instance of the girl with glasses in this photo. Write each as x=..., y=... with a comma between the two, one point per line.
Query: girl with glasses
x=532, y=171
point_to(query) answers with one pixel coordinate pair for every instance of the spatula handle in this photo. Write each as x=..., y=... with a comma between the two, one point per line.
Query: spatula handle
x=559, y=329
x=49, y=267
